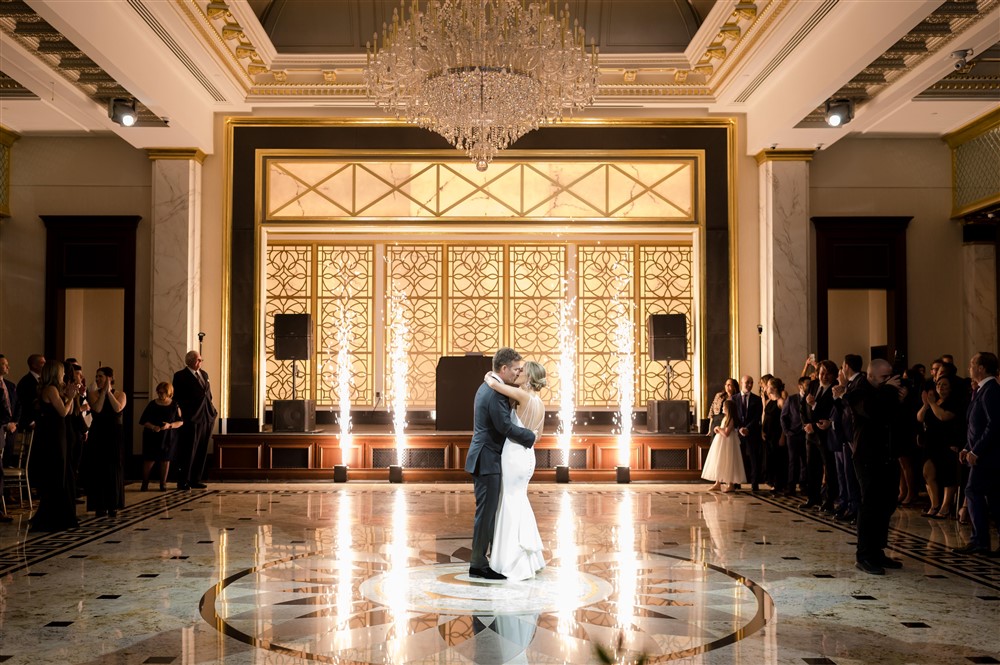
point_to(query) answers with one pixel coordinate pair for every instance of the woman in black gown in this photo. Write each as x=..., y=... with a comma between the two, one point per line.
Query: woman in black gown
x=49, y=465
x=103, y=458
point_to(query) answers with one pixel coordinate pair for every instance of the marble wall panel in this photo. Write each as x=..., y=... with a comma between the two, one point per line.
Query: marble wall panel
x=784, y=266
x=979, y=299
x=176, y=264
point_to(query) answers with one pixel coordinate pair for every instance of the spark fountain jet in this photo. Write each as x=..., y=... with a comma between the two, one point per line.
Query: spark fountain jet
x=624, y=338
x=567, y=375
x=344, y=334
x=399, y=367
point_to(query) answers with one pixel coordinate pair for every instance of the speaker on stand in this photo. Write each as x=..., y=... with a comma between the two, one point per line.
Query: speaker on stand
x=293, y=340
x=666, y=335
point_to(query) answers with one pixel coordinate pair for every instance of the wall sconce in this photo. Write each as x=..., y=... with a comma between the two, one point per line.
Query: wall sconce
x=122, y=111
x=839, y=112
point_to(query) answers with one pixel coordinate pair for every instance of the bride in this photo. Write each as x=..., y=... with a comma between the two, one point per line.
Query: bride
x=517, y=547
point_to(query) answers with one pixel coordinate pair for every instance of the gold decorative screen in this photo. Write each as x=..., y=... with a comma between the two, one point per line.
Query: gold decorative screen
x=473, y=298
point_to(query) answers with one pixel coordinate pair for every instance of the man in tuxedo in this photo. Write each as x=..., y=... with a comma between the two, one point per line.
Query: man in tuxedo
x=193, y=394
x=10, y=411
x=876, y=414
x=750, y=411
x=849, y=497
x=27, y=392
x=815, y=411
x=982, y=454
x=491, y=427
x=795, y=437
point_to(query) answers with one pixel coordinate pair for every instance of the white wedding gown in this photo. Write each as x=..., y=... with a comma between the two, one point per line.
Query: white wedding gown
x=517, y=547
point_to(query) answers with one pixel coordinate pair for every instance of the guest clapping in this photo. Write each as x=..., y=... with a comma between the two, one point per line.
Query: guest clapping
x=103, y=461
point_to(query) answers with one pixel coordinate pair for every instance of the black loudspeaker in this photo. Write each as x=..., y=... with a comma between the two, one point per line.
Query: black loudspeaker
x=458, y=379
x=294, y=415
x=666, y=335
x=668, y=416
x=293, y=338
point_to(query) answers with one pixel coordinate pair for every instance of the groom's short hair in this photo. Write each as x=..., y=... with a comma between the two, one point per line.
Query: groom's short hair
x=504, y=356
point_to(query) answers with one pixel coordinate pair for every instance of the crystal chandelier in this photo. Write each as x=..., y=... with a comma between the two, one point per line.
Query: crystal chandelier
x=481, y=73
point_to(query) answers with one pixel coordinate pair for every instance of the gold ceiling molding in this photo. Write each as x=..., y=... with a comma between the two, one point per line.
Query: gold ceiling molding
x=784, y=155
x=239, y=41
x=186, y=154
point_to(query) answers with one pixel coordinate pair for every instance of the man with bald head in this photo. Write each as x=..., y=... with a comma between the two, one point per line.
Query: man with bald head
x=877, y=417
x=193, y=394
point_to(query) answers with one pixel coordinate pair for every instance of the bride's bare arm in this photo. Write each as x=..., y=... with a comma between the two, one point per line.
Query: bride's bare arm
x=519, y=395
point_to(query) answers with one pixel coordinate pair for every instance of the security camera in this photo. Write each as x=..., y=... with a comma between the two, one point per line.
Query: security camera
x=961, y=58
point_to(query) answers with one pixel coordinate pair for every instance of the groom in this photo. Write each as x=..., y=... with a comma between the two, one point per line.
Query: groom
x=491, y=427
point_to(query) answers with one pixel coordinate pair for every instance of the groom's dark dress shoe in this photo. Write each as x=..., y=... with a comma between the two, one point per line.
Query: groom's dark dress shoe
x=486, y=573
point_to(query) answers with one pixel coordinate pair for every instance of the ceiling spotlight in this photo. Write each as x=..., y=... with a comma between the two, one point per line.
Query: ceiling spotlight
x=839, y=112
x=122, y=111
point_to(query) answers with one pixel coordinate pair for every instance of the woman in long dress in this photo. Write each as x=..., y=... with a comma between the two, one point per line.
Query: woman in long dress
x=517, y=546
x=50, y=465
x=103, y=456
x=724, y=463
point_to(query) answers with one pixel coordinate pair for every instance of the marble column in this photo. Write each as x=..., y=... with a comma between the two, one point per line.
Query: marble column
x=175, y=285
x=979, y=291
x=785, y=286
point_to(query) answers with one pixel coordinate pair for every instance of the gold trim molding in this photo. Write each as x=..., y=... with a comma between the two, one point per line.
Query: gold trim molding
x=176, y=153
x=231, y=123
x=783, y=155
x=974, y=129
x=8, y=137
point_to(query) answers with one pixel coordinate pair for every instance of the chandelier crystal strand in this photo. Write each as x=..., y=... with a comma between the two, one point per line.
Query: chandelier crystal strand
x=481, y=73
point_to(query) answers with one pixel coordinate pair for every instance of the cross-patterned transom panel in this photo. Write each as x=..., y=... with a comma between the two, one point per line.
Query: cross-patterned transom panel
x=310, y=190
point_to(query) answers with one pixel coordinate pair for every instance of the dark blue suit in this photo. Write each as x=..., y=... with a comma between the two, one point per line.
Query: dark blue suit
x=982, y=492
x=749, y=413
x=491, y=427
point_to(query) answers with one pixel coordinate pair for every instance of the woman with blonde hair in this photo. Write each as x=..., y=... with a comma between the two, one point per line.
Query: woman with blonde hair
x=49, y=464
x=160, y=420
x=517, y=546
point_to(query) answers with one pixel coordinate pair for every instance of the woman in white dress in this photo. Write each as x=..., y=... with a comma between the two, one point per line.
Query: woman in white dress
x=724, y=462
x=517, y=547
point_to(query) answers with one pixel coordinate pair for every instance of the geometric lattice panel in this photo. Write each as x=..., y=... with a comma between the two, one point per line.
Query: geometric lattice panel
x=459, y=298
x=977, y=169
x=324, y=189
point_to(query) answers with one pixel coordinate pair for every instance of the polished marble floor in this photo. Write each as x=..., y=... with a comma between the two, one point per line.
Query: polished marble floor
x=377, y=573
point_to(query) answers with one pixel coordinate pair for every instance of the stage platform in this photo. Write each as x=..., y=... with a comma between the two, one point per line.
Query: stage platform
x=433, y=456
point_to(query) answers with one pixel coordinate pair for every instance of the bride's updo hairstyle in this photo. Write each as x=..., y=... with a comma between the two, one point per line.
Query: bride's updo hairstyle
x=536, y=375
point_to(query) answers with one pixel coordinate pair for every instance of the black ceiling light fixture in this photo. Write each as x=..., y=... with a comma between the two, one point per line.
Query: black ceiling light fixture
x=122, y=111
x=839, y=112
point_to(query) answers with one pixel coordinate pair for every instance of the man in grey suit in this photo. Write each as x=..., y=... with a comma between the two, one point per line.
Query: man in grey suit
x=491, y=427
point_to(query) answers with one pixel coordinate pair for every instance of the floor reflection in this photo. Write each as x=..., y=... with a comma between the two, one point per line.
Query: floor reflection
x=379, y=574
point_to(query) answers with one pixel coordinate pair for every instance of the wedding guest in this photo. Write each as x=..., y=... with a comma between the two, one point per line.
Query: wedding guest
x=104, y=455
x=715, y=415
x=982, y=454
x=10, y=411
x=795, y=437
x=774, y=443
x=49, y=465
x=942, y=416
x=160, y=421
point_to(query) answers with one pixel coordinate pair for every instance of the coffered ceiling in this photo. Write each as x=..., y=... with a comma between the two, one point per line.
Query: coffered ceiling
x=774, y=61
